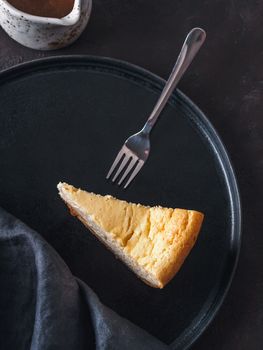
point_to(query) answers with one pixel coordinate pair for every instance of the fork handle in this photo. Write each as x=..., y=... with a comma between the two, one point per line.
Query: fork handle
x=191, y=46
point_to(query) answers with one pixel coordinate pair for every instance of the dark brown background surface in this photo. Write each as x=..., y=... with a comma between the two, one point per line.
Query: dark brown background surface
x=226, y=82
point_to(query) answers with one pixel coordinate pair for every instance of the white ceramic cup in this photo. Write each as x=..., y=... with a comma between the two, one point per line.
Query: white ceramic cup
x=44, y=33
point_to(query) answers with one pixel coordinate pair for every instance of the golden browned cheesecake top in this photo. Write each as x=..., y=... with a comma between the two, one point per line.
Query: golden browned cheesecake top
x=154, y=236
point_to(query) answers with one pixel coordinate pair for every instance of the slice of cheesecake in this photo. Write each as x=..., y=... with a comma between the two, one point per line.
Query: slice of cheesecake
x=152, y=241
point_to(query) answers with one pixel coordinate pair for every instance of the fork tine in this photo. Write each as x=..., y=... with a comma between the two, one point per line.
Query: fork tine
x=116, y=161
x=129, y=168
x=135, y=172
x=122, y=165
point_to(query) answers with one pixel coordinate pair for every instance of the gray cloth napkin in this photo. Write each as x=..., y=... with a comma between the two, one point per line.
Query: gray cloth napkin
x=43, y=306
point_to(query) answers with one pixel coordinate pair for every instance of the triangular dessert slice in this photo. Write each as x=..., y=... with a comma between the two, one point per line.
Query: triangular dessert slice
x=152, y=241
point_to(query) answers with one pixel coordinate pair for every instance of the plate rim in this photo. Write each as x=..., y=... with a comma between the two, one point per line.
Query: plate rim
x=188, y=337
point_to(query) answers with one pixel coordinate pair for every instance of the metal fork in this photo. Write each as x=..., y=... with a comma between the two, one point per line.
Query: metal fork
x=136, y=148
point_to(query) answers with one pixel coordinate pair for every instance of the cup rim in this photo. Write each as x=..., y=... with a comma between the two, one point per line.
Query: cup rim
x=66, y=20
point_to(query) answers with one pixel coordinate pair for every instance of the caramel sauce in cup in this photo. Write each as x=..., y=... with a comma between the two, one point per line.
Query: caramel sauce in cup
x=44, y=8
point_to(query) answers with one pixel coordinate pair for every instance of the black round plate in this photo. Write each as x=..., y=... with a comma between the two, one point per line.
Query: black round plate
x=64, y=119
